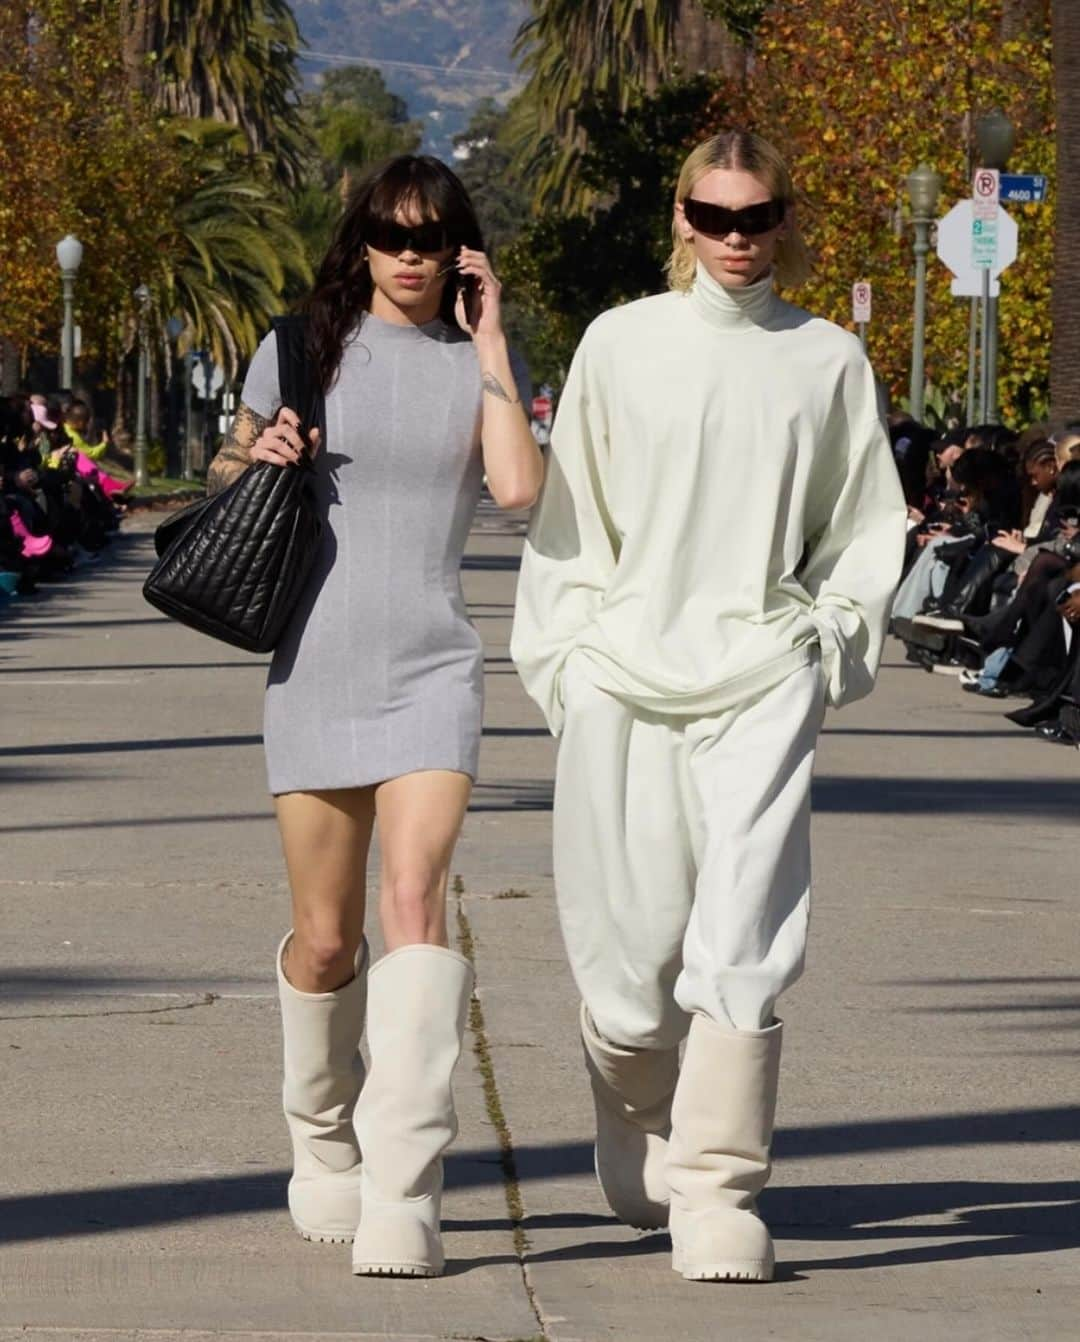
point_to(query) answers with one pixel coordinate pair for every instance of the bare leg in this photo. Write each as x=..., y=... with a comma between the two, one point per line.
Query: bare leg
x=326, y=836
x=419, y=817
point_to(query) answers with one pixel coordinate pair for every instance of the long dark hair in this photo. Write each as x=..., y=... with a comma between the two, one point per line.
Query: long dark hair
x=343, y=286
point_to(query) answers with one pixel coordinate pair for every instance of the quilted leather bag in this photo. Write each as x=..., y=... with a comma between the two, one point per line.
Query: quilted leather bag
x=233, y=565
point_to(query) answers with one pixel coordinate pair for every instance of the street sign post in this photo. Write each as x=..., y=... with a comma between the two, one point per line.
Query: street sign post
x=985, y=193
x=862, y=306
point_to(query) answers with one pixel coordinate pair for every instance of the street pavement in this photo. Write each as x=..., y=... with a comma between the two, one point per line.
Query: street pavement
x=927, y=1182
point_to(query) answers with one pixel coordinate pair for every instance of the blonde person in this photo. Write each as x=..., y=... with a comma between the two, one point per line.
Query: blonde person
x=373, y=704
x=712, y=560
x=1067, y=447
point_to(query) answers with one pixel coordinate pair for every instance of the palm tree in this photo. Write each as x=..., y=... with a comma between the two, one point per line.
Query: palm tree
x=1065, y=351
x=573, y=53
x=612, y=51
x=232, y=250
x=232, y=61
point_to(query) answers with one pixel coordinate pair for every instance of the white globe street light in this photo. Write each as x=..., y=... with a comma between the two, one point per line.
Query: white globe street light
x=69, y=255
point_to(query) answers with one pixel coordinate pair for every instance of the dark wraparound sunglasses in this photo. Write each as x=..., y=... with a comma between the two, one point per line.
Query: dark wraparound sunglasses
x=718, y=221
x=387, y=235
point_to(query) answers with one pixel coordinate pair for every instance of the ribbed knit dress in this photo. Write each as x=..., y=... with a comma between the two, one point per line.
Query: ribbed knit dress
x=380, y=672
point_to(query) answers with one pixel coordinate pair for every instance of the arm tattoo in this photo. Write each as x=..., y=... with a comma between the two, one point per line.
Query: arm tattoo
x=492, y=384
x=235, y=455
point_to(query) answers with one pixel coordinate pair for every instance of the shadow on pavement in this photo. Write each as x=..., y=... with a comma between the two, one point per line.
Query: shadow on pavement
x=122, y=747
x=38, y=670
x=490, y=564
x=1022, y=1212
x=1046, y=799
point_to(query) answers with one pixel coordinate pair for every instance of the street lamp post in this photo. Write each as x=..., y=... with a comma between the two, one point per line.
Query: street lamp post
x=924, y=187
x=69, y=255
x=174, y=328
x=142, y=478
x=995, y=137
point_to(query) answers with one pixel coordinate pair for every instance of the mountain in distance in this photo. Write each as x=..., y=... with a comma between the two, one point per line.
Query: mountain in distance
x=441, y=56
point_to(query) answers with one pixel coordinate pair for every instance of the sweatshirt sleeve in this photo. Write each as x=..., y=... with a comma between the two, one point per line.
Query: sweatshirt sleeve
x=855, y=554
x=572, y=546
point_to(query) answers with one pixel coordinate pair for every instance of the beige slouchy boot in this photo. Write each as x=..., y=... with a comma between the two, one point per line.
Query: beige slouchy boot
x=632, y=1091
x=418, y=997
x=323, y=1076
x=718, y=1155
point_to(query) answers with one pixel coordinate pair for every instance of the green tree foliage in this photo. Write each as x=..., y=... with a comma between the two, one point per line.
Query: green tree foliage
x=564, y=268
x=354, y=122
x=485, y=165
x=575, y=55
x=231, y=250
x=358, y=122
x=743, y=17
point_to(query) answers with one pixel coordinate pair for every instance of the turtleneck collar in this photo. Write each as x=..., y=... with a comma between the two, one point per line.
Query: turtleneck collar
x=732, y=309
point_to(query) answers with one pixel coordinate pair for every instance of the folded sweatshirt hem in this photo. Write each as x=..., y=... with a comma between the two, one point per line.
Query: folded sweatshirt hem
x=618, y=681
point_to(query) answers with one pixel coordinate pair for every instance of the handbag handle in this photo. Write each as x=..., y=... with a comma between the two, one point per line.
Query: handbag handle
x=298, y=387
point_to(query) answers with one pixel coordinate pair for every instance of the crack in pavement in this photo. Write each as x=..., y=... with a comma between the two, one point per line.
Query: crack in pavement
x=515, y=1207
x=207, y=999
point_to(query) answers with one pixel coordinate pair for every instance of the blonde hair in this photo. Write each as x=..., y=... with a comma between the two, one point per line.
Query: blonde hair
x=1067, y=448
x=746, y=152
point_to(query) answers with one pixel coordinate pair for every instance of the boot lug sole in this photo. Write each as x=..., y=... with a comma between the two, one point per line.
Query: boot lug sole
x=396, y=1270
x=750, y=1271
x=323, y=1236
x=730, y=1273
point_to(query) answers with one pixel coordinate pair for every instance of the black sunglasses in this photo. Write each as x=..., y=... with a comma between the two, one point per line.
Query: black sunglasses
x=387, y=235
x=718, y=221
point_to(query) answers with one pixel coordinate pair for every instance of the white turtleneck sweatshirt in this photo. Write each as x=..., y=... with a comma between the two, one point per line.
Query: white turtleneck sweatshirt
x=720, y=501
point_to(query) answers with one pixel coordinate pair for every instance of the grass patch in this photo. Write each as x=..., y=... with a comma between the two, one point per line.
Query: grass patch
x=166, y=484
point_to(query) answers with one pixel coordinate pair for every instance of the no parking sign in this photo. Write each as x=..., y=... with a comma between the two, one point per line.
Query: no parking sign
x=862, y=302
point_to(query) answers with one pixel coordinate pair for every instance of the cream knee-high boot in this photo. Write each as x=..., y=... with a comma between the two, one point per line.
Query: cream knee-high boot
x=418, y=998
x=632, y=1091
x=323, y=1076
x=718, y=1155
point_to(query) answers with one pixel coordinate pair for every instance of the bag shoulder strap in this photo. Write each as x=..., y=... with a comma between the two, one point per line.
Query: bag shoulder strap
x=296, y=377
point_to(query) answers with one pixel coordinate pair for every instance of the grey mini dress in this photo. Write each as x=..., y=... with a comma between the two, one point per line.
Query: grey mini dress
x=380, y=671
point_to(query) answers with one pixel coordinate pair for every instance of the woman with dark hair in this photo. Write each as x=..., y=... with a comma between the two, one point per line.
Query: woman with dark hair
x=374, y=698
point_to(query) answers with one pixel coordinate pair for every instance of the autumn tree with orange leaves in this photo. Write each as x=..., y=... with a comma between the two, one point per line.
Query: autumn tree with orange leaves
x=857, y=96
x=80, y=152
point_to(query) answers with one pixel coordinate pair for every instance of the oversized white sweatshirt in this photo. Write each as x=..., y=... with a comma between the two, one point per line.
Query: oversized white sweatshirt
x=720, y=500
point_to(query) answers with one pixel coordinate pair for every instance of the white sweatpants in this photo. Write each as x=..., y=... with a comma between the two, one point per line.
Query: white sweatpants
x=682, y=856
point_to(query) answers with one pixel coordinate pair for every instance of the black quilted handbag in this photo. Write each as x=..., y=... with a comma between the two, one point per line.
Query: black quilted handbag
x=233, y=565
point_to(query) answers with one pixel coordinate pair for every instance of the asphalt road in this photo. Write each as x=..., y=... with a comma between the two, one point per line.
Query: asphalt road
x=926, y=1180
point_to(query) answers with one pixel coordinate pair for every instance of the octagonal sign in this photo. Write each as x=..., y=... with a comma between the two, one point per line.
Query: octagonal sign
x=954, y=248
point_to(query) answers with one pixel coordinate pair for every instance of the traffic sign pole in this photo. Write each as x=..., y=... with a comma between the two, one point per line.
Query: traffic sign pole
x=984, y=387
x=985, y=203
x=861, y=307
